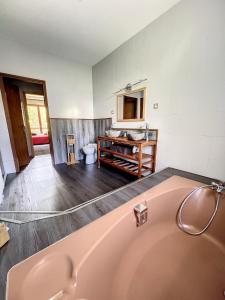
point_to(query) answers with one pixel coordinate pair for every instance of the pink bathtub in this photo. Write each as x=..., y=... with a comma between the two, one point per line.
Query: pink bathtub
x=113, y=259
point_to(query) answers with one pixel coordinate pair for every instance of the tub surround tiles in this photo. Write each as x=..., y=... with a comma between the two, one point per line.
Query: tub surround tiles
x=85, y=130
x=101, y=125
x=30, y=238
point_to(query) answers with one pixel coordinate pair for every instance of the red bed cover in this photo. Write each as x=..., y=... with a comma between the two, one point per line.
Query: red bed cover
x=40, y=139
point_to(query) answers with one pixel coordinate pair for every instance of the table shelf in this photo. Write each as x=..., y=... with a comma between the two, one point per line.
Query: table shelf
x=125, y=166
x=137, y=164
x=145, y=157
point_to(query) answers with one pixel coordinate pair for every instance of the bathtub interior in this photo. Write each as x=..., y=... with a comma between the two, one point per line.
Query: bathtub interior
x=114, y=259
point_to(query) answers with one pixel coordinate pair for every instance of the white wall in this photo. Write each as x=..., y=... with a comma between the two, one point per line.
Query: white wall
x=183, y=56
x=5, y=145
x=1, y=186
x=69, y=85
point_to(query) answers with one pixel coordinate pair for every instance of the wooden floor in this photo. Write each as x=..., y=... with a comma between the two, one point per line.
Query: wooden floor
x=41, y=149
x=40, y=186
x=29, y=238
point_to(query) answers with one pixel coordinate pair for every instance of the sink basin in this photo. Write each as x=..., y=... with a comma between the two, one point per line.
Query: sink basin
x=112, y=133
x=136, y=136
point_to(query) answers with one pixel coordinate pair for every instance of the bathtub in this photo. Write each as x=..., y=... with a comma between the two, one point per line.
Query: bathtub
x=114, y=259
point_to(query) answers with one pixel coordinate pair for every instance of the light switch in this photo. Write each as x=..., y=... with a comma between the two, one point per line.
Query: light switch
x=156, y=105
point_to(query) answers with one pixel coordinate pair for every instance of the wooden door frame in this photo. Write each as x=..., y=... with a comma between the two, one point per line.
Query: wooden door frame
x=27, y=123
x=8, y=121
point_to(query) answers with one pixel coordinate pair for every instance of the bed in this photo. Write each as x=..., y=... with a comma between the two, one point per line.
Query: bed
x=40, y=139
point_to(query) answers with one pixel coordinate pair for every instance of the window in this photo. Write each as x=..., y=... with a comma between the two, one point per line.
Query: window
x=37, y=118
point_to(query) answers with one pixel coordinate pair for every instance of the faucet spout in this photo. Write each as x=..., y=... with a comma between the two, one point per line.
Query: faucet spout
x=141, y=214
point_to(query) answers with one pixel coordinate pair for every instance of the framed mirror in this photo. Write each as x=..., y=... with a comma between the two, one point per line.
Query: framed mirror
x=131, y=106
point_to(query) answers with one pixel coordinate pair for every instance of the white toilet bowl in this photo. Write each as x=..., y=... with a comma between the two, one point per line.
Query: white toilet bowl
x=90, y=152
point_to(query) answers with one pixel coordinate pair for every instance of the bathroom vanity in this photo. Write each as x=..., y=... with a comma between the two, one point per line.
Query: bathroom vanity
x=118, y=152
x=132, y=150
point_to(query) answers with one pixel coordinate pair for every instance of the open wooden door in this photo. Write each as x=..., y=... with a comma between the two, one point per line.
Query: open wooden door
x=13, y=89
x=17, y=123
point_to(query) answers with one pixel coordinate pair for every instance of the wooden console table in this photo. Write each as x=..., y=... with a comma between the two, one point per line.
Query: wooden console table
x=137, y=164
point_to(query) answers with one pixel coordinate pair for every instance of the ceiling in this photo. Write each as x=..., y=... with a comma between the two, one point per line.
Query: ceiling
x=83, y=30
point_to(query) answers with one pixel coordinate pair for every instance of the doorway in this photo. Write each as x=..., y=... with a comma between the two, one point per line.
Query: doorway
x=38, y=125
x=26, y=110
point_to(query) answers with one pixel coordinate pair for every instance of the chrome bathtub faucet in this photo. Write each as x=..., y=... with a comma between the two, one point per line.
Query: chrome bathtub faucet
x=218, y=187
x=141, y=214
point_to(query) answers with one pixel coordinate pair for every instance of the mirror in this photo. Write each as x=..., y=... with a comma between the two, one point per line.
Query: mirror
x=131, y=106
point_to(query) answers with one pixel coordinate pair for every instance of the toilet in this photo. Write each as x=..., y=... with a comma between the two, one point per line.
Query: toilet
x=90, y=152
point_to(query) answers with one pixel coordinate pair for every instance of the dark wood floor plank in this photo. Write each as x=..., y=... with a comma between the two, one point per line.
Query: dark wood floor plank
x=41, y=186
